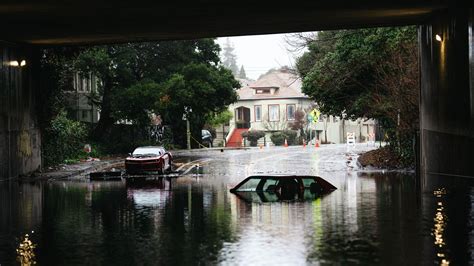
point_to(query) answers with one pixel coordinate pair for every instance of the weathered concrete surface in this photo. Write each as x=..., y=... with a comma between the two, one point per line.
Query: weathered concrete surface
x=20, y=138
x=447, y=95
x=80, y=169
x=72, y=22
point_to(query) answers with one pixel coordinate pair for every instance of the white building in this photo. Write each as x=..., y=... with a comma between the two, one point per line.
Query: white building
x=275, y=102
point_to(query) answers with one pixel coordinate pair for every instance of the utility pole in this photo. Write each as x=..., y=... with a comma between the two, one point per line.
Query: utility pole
x=187, y=110
x=188, y=133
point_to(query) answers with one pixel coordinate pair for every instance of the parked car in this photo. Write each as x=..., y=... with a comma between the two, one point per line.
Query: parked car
x=150, y=159
x=206, y=138
x=265, y=188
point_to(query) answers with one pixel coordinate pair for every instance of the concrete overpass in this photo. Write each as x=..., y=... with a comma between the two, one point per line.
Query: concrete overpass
x=447, y=89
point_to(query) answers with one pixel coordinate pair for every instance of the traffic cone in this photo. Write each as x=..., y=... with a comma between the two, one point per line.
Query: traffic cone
x=304, y=144
x=286, y=143
x=261, y=146
x=316, y=145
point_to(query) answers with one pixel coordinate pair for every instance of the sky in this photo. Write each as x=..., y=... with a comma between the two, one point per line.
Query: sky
x=259, y=53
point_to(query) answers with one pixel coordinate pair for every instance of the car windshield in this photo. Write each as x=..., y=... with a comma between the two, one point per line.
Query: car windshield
x=147, y=152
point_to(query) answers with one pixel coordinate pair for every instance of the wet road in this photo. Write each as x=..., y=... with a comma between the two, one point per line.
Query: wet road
x=372, y=218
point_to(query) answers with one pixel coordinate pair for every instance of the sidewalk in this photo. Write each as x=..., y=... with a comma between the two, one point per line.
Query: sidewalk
x=78, y=169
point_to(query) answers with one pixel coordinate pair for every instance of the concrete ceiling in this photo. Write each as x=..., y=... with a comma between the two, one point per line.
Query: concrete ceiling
x=66, y=22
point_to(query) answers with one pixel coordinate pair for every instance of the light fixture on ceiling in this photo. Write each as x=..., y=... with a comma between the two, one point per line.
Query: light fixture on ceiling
x=18, y=63
x=438, y=38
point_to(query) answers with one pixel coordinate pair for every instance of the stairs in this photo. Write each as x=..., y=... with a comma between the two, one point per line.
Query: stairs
x=236, y=138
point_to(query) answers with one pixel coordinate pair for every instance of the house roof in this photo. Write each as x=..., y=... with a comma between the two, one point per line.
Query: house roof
x=286, y=85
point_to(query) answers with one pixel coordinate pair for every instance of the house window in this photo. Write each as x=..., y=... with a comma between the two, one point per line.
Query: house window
x=274, y=112
x=262, y=91
x=258, y=112
x=290, y=112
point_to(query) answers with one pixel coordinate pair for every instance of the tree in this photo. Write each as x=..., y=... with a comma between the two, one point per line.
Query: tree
x=242, y=74
x=370, y=73
x=207, y=90
x=229, y=58
x=139, y=78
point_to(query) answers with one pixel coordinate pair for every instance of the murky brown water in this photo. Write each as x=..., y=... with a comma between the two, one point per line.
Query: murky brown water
x=370, y=219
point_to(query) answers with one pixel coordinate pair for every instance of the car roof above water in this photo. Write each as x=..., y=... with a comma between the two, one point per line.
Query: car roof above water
x=325, y=184
x=149, y=150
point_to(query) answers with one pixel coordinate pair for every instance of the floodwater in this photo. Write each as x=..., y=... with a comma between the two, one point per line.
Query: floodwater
x=372, y=218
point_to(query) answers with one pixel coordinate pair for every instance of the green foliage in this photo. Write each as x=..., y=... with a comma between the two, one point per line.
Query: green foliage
x=340, y=69
x=161, y=78
x=253, y=136
x=56, y=68
x=370, y=73
x=278, y=138
x=136, y=102
x=220, y=118
x=64, y=140
x=205, y=89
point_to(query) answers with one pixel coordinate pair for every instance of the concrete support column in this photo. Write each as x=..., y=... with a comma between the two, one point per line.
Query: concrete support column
x=447, y=95
x=20, y=138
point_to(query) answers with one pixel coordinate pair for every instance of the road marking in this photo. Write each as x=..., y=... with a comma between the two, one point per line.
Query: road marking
x=193, y=162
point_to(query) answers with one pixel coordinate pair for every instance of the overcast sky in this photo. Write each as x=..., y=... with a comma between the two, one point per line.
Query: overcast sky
x=259, y=53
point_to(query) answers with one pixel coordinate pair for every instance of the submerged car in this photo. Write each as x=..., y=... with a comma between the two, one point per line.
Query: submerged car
x=150, y=159
x=282, y=187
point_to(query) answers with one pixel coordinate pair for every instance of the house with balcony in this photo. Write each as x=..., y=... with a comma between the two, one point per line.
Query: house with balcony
x=275, y=102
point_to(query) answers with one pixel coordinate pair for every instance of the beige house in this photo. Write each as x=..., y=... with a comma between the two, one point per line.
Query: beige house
x=275, y=102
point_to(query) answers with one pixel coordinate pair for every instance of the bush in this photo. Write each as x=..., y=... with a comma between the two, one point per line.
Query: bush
x=64, y=140
x=253, y=136
x=278, y=138
x=291, y=136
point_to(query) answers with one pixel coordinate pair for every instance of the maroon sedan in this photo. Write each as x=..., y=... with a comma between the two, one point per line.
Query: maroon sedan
x=151, y=159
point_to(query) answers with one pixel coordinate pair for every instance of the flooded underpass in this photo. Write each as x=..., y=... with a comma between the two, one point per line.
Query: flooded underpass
x=372, y=218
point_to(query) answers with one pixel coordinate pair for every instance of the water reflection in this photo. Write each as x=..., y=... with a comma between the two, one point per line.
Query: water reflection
x=370, y=219
x=26, y=252
x=440, y=223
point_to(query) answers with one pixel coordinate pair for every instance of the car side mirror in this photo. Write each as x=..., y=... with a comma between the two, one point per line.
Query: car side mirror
x=129, y=154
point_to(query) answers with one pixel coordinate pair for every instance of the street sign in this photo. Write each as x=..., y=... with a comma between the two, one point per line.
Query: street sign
x=315, y=113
